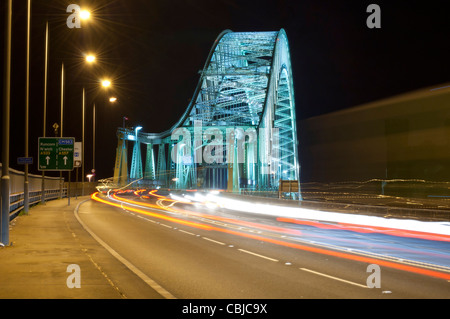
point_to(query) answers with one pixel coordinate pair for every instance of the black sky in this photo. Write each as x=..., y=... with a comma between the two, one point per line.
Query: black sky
x=153, y=50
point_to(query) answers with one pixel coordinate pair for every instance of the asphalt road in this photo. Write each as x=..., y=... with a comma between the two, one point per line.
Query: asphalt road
x=198, y=250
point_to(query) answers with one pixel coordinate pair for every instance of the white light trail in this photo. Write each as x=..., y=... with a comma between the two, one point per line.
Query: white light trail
x=442, y=228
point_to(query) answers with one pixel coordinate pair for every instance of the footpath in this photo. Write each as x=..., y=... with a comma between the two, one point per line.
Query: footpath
x=51, y=256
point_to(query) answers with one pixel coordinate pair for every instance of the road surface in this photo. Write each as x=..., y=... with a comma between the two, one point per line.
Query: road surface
x=192, y=247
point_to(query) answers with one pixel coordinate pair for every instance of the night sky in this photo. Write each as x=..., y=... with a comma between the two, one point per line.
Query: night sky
x=152, y=51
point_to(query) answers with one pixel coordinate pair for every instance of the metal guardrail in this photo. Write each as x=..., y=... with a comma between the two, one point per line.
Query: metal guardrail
x=16, y=197
x=17, y=200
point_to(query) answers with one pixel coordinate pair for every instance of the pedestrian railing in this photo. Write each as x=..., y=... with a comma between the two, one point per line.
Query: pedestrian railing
x=52, y=189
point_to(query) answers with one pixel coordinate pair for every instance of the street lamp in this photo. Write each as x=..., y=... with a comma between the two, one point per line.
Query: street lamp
x=112, y=99
x=137, y=129
x=85, y=14
x=106, y=83
x=90, y=58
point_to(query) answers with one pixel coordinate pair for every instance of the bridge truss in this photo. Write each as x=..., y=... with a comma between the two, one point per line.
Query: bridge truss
x=239, y=130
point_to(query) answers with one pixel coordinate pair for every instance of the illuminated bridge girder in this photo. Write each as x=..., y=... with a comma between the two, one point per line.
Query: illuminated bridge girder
x=149, y=171
x=136, y=162
x=239, y=131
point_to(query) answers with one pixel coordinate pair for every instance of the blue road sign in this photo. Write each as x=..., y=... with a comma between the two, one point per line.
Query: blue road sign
x=24, y=160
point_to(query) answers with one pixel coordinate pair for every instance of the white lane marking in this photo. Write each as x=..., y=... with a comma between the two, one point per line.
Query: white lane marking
x=165, y=225
x=332, y=277
x=153, y=284
x=186, y=232
x=214, y=241
x=374, y=255
x=258, y=255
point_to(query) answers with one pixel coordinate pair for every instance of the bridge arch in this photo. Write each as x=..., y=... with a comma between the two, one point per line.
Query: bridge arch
x=242, y=116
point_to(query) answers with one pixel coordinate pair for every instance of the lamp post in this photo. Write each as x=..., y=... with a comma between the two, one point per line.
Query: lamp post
x=106, y=84
x=112, y=100
x=4, y=220
x=82, y=142
x=136, y=130
x=26, y=200
x=61, y=124
x=44, y=124
x=93, y=137
x=89, y=59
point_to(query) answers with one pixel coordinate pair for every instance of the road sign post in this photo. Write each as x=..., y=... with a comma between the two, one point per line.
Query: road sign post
x=77, y=154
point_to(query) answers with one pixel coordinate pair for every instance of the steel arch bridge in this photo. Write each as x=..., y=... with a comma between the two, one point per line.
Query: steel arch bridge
x=239, y=130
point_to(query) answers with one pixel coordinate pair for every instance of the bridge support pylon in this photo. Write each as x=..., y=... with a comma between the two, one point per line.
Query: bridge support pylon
x=121, y=166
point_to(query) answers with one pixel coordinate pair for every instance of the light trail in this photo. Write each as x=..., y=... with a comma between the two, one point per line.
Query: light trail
x=410, y=227
x=203, y=215
x=369, y=229
x=94, y=196
x=359, y=258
